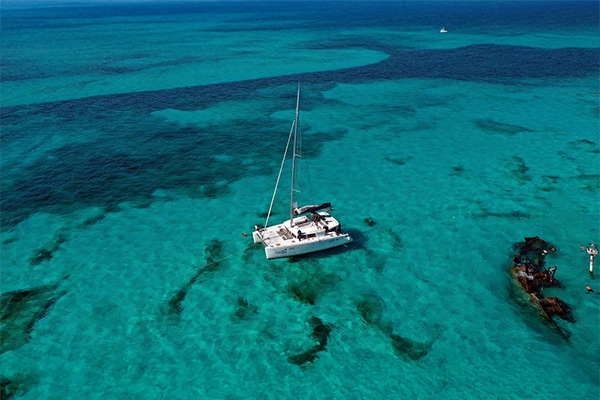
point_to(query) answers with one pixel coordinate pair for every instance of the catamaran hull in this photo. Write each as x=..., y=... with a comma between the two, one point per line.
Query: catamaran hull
x=304, y=234
x=307, y=247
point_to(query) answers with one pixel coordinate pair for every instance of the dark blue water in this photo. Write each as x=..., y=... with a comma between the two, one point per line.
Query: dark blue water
x=138, y=141
x=105, y=173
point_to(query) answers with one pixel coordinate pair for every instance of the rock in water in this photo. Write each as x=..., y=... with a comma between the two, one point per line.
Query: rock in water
x=555, y=306
x=370, y=221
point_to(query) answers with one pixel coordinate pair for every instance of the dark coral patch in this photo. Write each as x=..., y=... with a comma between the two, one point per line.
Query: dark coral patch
x=398, y=160
x=40, y=256
x=213, y=253
x=518, y=169
x=371, y=308
x=91, y=221
x=303, y=293
x=320, y=334
x=457, y=170
x=215, y=191
x=490, y=125
x=509, y=214
x=590, y=182
x=13, y=387
x=586, y=146
x=309, y=290
x=408, y=349
x=244, y=309
x=550, y=179
x=370, y=221
x=46, y=253
x=396, y=238
x=248, y=253
x=21, y=310
x=263, y=214
x=306, y=357
x=320, y=331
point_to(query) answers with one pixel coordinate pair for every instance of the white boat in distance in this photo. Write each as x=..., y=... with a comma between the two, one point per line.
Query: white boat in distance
x=309, y=229
x=443, y=30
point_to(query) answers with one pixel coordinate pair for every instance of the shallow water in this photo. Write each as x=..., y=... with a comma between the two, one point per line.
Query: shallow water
x=140, y=141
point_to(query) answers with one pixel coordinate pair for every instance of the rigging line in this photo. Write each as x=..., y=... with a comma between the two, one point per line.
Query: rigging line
x=312, y=198
x=300, y=143
x=299, y=182
x=280, y=169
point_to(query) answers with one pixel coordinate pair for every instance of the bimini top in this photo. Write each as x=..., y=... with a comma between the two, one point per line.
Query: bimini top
x=312, y=209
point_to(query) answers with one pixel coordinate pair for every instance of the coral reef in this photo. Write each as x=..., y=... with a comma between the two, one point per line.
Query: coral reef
x=371, y=308
x=21, y=310
x=320, y=334
x=213, y=252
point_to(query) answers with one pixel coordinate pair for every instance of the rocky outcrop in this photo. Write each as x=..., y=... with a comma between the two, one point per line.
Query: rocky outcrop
x=529, y=271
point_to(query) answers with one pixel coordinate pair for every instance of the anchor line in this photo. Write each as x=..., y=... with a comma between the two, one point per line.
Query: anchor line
x=223, y=258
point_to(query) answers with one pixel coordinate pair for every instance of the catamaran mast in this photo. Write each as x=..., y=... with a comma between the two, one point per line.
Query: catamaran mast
x=294, y=158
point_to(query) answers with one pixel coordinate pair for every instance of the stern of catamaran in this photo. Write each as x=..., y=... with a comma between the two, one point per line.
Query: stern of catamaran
x=256, y=236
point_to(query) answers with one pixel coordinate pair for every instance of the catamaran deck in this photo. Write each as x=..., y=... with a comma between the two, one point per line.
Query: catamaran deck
x=307, y=234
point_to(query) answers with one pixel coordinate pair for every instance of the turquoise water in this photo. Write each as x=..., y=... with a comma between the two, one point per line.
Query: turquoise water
x=140, y=141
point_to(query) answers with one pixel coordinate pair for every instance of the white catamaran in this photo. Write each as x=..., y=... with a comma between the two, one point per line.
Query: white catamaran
x=309, y=229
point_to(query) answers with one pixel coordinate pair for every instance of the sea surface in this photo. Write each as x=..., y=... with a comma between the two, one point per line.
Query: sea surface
x=140, y=140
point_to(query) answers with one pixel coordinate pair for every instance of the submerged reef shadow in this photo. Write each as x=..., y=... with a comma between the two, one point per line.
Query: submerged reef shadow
x=309, y=290
x=14, y=386
x=518, y=169
x=590, y=182
x=372, y=310
x=370, y=222
x=550, y=182
x=400, y=161
x=245, y=310
x=320, y=334
x=484, y=213
x=47, y=252
x=490, y=125
x=375, y=260
x=92, y=221
x=21, y=310
x=94, y=173
x=457, y=170
x=585, y=145
x=396, y=238
x=213, y=253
